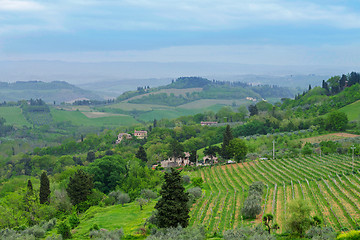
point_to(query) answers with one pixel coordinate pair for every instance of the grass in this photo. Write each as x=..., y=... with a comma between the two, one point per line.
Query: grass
x=78, y=118
x=130, y=218
x=352, y=111
x=13, y=116
x=175, y=91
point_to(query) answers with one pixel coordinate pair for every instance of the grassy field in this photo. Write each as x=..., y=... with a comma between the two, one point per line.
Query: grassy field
x=130, y=218
x=352, y=111
x=327, y=183
x=13, y=116
x=78, y=118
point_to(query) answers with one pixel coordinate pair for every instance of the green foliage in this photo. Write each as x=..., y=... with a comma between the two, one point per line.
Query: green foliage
x=142, y=202
x=64, y=230
x=336, y=121
x=74, y=220
x=178, y=233
x=172, y=207
x=79, y=187
x=307, y=149
x=351, y=235
x=247, y=233
x=299, y=221
x=120, y=197
x=148, y=194
x=252, y=204
x=197, y=181
x=268, y=223
x=44, y=194
x=237, y=148
x=227, y=137
x=141, y=154
x=325, y=233
x=116, y=234
x=108, y=172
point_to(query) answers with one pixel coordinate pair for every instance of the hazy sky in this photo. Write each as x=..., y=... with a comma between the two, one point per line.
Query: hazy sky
x=278, y=32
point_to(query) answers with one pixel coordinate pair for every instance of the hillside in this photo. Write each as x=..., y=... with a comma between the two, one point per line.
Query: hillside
x=58, y=91
x=186, y=90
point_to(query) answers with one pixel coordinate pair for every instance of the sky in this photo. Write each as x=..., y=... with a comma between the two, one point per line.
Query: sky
x=274, y=32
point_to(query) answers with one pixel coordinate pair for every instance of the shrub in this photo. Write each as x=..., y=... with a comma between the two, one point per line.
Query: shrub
x=121, y=198
x=178, y=233
x=74, y=220
x=196, y=192
x=197, y=181
x=186, y=179
x=148, y=194
x=246, y=233
x=64, y=230
x=326, y=233
x=105, y=234
x=352, y=235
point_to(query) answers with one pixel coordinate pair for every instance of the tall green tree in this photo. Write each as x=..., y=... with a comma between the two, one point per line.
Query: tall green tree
x=44, y=189
x=237, y=148
x=176, y=149
x=79, y=187
x=141, y=154
x=227, y=137
x=172, y=208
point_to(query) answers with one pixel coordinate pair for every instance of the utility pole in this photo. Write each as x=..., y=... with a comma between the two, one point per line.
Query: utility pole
x=273, y=149
x=353, y=148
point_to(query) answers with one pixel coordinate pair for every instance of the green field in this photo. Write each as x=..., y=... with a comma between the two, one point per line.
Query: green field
x=13, y=116
x=130, y=218
x=78, y=118
x=332, y=191
x=352, y=111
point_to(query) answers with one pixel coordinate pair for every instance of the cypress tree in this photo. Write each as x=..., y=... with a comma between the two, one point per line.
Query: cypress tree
x=30, y=189
x=79, y=187
x=44, y=189
x=226, y=140
x=141, y=154
x=173, y=206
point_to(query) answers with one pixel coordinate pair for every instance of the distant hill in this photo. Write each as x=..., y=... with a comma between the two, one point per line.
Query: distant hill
x=197, y=88
x=58, y=91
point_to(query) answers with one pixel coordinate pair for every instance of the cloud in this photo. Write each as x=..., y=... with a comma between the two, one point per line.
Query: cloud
x=18, y=5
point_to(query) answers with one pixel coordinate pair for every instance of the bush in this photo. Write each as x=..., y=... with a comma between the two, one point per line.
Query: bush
x=197, y=181
x=252, y=205
x=109, y=201
x=352, y=235
x=196, y=192
x=178, y=233
x=120, y=197
x=74, y=220
x=326, y=233
x=246, y=233
x=186, y=179
x=108, y=235
x=64, y=230
x=148, y=194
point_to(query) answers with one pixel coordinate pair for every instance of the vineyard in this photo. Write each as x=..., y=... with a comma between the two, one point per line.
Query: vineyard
x=327, y=183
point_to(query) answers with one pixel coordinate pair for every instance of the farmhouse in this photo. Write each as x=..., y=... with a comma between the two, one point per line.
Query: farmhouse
x=140, y=134
x=177, y=162
x=208, y=123
x=207, y=160
x=122, y=136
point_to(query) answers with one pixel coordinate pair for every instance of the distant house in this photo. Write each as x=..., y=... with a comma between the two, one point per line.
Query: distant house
x=177, y=162
x=122, y=136
x=208, y=123
x=251, y=99
x=140, y=134
x=207, y=160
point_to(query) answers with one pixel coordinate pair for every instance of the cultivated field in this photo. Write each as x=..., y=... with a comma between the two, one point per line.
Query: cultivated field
x=327, y=183
x=328, y=137
x=13, y=116
x=174, y=91
x=203, y=103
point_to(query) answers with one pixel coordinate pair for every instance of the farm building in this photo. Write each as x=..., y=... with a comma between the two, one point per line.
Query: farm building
x=177, y=162
x=122, y=136
x=140, y=134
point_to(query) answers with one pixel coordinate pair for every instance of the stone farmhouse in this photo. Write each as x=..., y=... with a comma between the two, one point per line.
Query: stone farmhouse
x=140, y=134
x=177, y=162
x=122, y=136
x=208, y=123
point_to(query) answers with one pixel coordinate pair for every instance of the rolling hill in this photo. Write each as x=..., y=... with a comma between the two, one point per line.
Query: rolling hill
x=58, y=91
